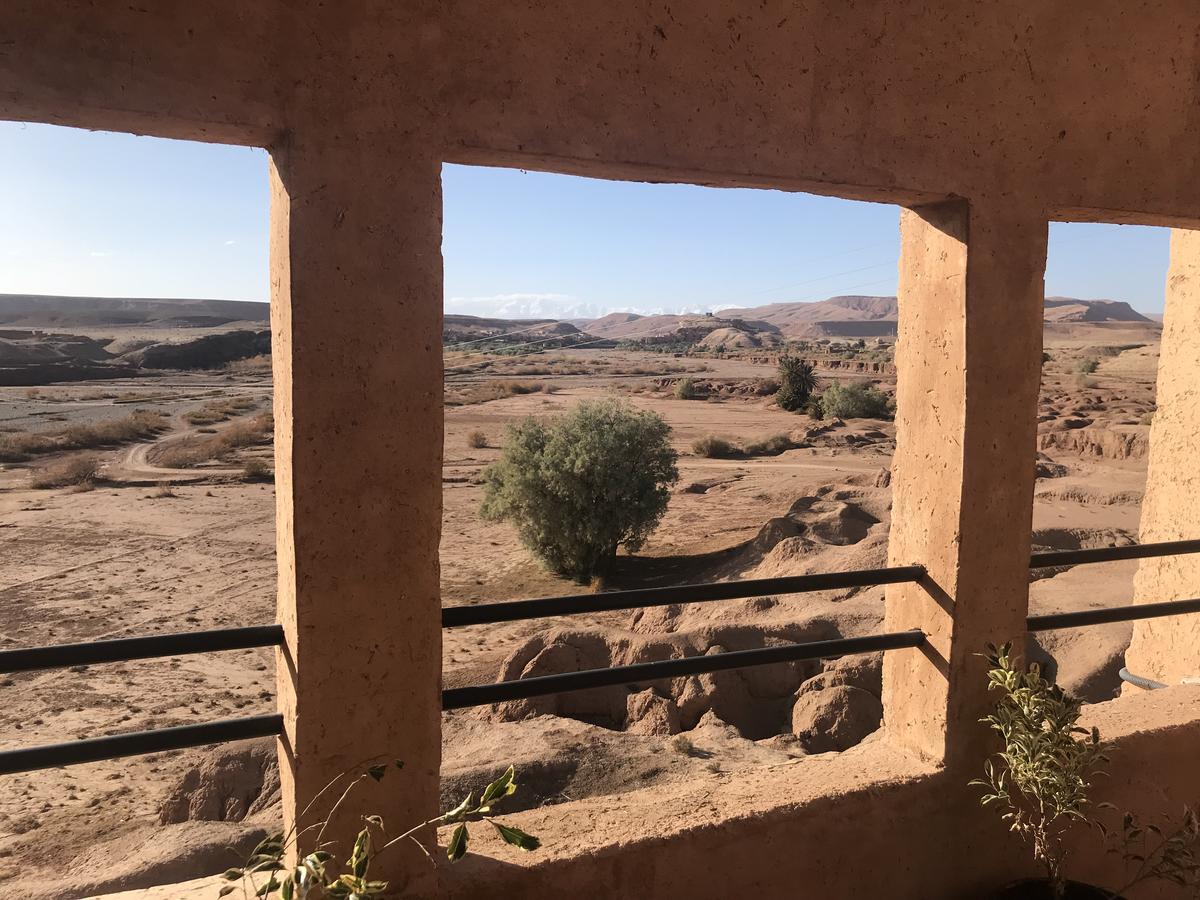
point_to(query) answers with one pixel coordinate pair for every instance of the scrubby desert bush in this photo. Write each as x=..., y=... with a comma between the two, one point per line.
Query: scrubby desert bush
x=21, y=445
x=856, y=400
x=1089, y=365
x=246, y=433
x=137, y=426
x=220, y=410
x=685, y=389
x=256, y=470
x=192, y=450
x=477, y=440
x=497, y=389
x=797, y=381
x=74, y=471
x=714, y=447
x=580, y=485
x=184, y=453
x=164, y=491
x=771, y=445
x=251, y=365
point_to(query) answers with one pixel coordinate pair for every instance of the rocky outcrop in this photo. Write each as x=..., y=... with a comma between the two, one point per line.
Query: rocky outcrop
x=1114, y=442
x=834, y=717
x=208, y=352
x=648, y=713
x=228, y=785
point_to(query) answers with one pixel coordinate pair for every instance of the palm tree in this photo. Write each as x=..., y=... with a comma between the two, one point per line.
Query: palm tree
x=797, y=381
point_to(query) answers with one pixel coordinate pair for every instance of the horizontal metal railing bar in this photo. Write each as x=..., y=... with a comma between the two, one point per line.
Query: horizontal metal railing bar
x=124, y=649
x=1111, y=554
x=1112, y=614
x=51, y=756
x=481, y=695
x=515, y=610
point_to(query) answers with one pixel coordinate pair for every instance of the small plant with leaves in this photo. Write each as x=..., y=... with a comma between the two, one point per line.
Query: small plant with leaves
x=318, y=876
x=1040, y=779
x=1154, y=853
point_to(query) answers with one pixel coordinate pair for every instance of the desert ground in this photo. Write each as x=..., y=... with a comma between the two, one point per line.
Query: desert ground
x=174, y=530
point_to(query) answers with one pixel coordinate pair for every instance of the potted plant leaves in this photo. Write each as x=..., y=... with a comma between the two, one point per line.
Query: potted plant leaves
x=1040, y=781
x=319, y=875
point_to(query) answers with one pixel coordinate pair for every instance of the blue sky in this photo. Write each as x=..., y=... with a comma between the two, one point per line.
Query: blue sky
x=94, y=213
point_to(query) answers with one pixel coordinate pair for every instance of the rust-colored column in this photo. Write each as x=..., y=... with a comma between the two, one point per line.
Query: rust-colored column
x=969, y=364
x=1167, y=650
x=356, y=280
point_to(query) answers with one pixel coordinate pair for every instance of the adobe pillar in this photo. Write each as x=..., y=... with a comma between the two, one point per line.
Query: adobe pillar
x=356, y=288
x=968, y=363
x=1168, y=649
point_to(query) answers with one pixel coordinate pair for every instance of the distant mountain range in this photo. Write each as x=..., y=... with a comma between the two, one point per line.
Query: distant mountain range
x=844, y=316
x=850, y=316
x=48, y=311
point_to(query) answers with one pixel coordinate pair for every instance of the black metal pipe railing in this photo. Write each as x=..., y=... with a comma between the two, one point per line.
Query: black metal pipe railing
x=481, y=695
x=1111, y=554
x=125, y=649
x=158, y=740
x=50, y=756
x=516, y=610
x=1084, y=617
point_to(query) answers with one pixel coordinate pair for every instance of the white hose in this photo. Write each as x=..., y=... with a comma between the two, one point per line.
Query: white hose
x=1144, y=683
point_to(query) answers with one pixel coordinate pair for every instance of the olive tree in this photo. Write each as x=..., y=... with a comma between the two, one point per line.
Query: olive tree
x=580, y=485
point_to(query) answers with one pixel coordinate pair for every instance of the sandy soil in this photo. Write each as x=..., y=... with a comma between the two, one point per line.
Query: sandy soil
x=123, y=560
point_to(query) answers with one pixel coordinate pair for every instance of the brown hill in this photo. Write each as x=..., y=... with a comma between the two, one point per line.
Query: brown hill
x=628, y=326
x=856, y=316
x=1068, y=309
x=472, y=330
x=849, y=308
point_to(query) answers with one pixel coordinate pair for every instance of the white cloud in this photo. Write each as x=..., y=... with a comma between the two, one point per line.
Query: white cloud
x=547, y=305
x=230, y=243
x=516, y=306
x=99, y=254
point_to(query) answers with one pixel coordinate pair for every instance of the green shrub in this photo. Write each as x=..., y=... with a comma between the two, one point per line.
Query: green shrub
x=1040, y=780
x=282, y=867
x=580, y=485
x=797, y=381
x=714, y=447
x=856, y=400
x=1089, y=365
x=685, y=389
